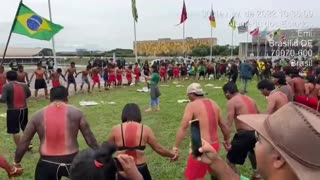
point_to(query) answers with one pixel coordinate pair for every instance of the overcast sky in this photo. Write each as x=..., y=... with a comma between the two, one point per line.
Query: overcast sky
x=108, y=24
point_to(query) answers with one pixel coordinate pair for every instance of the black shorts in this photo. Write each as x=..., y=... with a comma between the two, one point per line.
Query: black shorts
x=105, y=77
x=210, y=71
x=202, y=73
x=243, y=142
x=170, y=73
x=144, y=171
x=53, y=168
x=16, y=119
x=71, y=80
x=40, y=84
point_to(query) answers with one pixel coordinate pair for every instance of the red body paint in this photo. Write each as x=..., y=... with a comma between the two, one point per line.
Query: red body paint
x=212, y=121
x=131, y=140
x=55, y=124
x=18, y=97
x=250, y=105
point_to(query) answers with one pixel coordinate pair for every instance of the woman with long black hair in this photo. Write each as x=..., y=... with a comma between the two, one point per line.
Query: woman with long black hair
x=131, y=138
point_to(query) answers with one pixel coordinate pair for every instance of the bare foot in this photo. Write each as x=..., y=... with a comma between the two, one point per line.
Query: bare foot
x=158, y=108
x=148, y=110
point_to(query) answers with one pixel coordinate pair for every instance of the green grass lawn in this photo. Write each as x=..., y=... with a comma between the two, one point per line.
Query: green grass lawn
x=103, y=117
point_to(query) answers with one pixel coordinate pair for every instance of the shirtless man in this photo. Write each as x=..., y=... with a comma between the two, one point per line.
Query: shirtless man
x=106, y=76
x=95, y=77
x=57, y=126
x=55, y=77
x=298, y=88
x=119, y=72
x=112, y=76
x=210, y=117
x=71, y=80
x=23, y=76
x=244, y=140
x=40, y=82
x=312, y=90
x=275, y=98
x=15, y=95
x=85, y=78
x=137, y=73
x=3, y=79
x=279, y=80
x=129, y=75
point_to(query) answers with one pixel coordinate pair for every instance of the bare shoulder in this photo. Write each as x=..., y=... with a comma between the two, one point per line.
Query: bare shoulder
x=214, y=104
x=76, y=112
x=37, y=116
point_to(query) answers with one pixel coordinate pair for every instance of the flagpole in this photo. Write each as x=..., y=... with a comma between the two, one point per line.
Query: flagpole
x=13, y=24
x=258, y=46
x=135, y=41
x=247, y=44
x=184, y=41
x=53, y=43
x=211, y=44
x=232, y=44
x=265, y=48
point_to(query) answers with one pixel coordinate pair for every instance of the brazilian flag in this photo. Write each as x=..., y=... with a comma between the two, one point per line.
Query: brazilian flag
x=28, y=23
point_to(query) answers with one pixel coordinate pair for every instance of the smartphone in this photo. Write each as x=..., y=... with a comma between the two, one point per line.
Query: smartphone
x=195, y=138
x=118, y=164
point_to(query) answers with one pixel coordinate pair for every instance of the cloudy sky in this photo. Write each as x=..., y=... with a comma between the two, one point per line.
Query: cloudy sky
x=108, y=24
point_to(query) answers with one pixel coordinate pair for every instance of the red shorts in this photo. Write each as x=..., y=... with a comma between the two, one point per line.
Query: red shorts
x=162, y=74
x=129, y=78
x=301, y=100
x=198, y=170
x=119, y=78
x=55, y=83
x=112, y=79
x=313, y=103
x=1, y=86
x=176, y=73
x=96, y=79
x=137, y=76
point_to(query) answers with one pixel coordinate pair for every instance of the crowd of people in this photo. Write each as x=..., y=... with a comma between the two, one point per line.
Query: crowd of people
x=281, y=142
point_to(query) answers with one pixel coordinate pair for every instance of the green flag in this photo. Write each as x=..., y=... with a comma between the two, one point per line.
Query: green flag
x=134, y=11
x=28, y=23
x=232, y=23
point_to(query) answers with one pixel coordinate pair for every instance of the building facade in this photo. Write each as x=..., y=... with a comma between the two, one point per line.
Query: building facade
x=297, y=42
x=172, y=47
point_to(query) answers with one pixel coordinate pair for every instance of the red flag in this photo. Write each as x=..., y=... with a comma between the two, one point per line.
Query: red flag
x=184, y=15
x=283, y=37
x=255, y=32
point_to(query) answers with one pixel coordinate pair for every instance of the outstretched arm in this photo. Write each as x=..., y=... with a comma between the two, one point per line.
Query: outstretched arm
x=152, y=141
x=26, y=139
x=32, y=76
x=27, y=78
x=87, y=133
x=271, y=105
x=5, y=165
x=231, y=114
x=182, y=131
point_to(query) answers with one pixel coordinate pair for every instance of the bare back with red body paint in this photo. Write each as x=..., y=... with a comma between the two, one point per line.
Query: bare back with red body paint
x=298, y=86
x=209, y=114
x=57, y=126
x=241, y=105
x=3, y=78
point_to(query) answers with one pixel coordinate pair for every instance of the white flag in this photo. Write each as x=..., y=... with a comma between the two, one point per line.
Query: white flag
x=269, y=37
